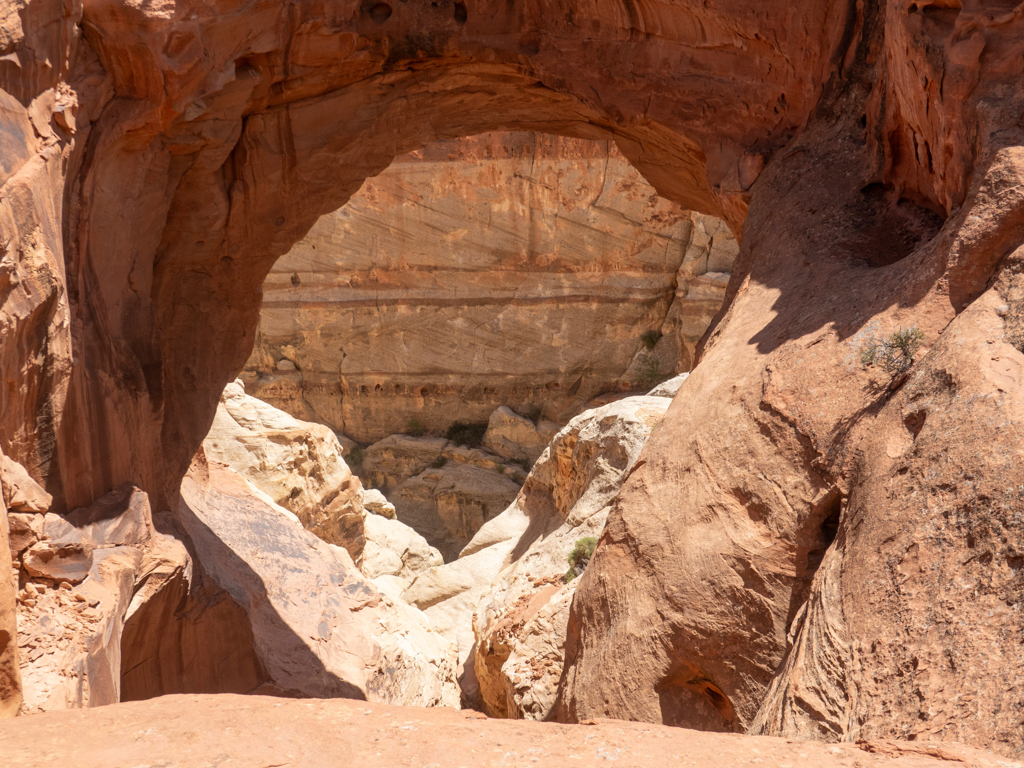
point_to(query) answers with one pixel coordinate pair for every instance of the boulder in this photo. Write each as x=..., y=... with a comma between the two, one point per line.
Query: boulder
x=669, y=388
x=298, y=464
x=21, y=493
x=449, y=504
x=394, y=549
x=319, y=627
x=69, y=562
x=375, y=503
x=515, y=437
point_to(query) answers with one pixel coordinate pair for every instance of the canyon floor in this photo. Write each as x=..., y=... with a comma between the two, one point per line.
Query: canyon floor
x=191, y=731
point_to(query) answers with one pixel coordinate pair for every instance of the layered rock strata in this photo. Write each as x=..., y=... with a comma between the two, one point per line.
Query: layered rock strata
x=508, y=269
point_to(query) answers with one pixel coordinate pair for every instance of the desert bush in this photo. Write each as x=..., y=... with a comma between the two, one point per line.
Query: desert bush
x=469, y=435
x=650, y=338
x=580, y=557
x=415, y=429
x=895, y=353
x=355, y=457
x=439, y=462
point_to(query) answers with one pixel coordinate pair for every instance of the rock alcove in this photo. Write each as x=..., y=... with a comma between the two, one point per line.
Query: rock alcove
x=159, y=158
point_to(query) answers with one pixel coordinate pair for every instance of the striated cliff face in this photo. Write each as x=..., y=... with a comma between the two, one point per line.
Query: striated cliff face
x=515, y=269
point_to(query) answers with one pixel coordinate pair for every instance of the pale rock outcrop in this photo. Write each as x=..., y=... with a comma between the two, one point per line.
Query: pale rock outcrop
x=79, y=575
x=520, y=624
x=504, y=269
x=669, y=388
x=394, y=549
x=444, y=491
x=298, y=464
x=375, y=503
x=20, y=492
x=516, y=437
x=319, y=627
x=564, y=498
x=449, y=504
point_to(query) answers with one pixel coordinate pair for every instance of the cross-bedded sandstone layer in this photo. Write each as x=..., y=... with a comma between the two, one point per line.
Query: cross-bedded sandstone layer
x=513, y=269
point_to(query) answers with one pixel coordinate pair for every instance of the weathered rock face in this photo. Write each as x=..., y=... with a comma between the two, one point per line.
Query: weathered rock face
x=318, y=626
x=520, y=625
x=10, y=672
x=298, y=464
x=444, y=491
x=80, y=574
x=785, y=556
x=488, y=600
x=505, y=269
x=871, y=156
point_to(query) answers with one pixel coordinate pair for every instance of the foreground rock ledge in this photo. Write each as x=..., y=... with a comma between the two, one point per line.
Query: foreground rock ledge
x=183, y=731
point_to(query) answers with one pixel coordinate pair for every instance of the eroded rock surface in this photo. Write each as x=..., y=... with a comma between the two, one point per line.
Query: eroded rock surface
x=320, y=628
x=520, y=624
x=442, y=490
x=504, y=596
x=298, y=464
x=157, y=159
x=186, y=730
x=507, y=269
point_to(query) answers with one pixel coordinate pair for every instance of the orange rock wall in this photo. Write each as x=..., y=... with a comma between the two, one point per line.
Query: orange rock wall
x=512, y=269
x=158, y=159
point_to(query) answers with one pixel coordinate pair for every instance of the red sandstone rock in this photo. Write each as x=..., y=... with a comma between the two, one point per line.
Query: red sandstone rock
x=136, y=235
x=10, y=674
x=258, y=731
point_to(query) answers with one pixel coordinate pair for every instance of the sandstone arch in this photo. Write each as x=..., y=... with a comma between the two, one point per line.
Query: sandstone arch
x=159, y=157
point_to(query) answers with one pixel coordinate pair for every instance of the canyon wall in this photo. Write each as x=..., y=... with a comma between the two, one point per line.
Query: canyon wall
x=808, y=543
x=516, y=269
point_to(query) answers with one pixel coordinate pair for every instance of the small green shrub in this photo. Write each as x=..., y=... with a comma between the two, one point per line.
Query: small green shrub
x=895, y=353
x=648, y=371
x=415, y=429
x=355, y=457
x=534, y=412
x=439, y=462
x=501, y=469
x=469, y=435
x=650, y=338
x=580, y=557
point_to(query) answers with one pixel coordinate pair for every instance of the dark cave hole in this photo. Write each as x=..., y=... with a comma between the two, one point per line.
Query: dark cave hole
x=380, y=12
x=461, y=14
x=829, y=529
